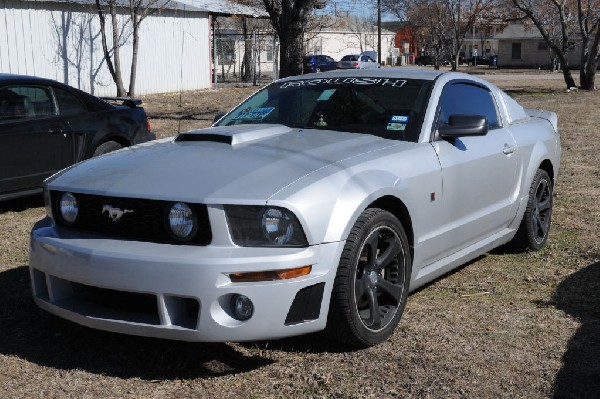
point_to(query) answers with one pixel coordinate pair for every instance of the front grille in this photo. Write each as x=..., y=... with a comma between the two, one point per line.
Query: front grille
x=147, y=220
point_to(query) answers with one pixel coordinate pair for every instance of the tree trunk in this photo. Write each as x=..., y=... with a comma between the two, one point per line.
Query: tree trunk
x=134, y=55
x=589, y=62
x=291, y=50
x=288, y=18
x=587, y=75
x=65, y=27
x=564, y=66
x=113, y=68
x=116, y=53
x=247, y=74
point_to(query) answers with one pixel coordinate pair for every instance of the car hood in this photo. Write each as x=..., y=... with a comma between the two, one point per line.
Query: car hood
x=240, y=164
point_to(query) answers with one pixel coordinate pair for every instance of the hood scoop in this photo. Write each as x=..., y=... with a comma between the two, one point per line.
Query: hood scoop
x=234, y=135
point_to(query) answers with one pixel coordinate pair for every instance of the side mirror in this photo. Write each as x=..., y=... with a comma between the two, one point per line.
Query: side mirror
x=217, y=117
x=464, y=125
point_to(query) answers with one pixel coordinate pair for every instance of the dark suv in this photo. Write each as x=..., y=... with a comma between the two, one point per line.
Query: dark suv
x=318, y=63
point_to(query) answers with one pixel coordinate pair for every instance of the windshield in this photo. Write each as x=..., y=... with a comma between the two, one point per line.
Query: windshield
x=387, y=107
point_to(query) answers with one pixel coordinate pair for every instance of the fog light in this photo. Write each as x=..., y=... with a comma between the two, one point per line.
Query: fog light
x=242, y=307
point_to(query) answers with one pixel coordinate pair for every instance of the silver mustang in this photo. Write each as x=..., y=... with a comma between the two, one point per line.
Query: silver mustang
x=316, y=204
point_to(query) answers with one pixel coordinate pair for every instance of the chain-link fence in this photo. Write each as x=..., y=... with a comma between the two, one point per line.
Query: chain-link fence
x=251, y=59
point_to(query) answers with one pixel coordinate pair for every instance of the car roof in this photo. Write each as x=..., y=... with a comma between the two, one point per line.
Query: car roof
x=13, y=77
x=401, y=73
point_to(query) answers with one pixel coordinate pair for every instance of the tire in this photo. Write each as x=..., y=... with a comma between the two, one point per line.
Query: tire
x=107, y=147
x=535, y=226
x=368, y=297
x=317, y=70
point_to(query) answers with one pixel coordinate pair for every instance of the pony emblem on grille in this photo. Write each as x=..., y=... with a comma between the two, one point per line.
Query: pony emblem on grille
x=115, y=214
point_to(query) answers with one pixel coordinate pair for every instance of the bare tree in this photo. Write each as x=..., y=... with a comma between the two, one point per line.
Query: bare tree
x=429, y=21
x=571, y=19
x=137, y=11
x=463, y=15
x=289, y=19
x=362, y=28
x=112, y=54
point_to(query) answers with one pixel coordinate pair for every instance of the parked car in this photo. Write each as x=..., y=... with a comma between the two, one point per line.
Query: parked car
x=357, y=61
x=316, y=204
x=46, y=126
x=482, y=60
x=319, y=63
x=423, y=60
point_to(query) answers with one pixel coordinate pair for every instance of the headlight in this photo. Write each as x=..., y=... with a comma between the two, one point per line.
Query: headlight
x=67, y=205
x=264, y=226
x=48, y=203
x=183, y=224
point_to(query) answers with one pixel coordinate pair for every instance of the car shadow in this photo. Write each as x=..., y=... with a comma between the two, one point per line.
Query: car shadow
x=39, y=337
x=21, y=204
x=579, y=296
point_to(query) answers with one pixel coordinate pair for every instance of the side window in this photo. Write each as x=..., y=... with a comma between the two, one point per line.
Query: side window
x=467, y=99
x=68, y=104
x=20, y=102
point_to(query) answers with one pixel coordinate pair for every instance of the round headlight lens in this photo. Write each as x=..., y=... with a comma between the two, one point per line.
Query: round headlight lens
x=182, y=221
x=277, y=225
x=68, y=208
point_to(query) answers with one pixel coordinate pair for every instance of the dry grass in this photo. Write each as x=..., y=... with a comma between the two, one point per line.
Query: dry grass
x=506, y=325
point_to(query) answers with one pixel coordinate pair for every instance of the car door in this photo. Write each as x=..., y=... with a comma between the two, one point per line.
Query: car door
x=81, y=124
x=479, y=172
x=34, y=142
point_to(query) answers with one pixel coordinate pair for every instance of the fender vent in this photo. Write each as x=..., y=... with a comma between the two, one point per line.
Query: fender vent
x=306, y=305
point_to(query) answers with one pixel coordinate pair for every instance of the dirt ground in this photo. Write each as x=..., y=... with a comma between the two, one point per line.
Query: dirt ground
x=503, y=326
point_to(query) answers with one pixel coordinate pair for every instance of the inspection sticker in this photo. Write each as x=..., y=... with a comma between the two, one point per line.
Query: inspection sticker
x=399, y=119
x=255, y=114
x=396, y=126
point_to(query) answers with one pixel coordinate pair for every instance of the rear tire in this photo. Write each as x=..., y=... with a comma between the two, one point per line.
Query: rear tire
x=535, y=226
x=107, y=147
x=371, y=285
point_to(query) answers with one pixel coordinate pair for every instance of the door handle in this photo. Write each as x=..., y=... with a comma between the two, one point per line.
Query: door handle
x=55, y=130
x=508, y=149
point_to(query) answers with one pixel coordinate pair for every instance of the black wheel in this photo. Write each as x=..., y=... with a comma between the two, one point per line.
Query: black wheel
x=318, y=70
x=535, y=226
x=371, y=284
x=107, y=147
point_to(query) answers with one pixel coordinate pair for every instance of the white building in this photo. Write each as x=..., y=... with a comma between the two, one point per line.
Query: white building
x=340, y=42
x=60, y=39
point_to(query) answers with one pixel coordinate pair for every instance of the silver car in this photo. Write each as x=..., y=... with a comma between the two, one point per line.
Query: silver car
x=357, y=61
x=318, y=203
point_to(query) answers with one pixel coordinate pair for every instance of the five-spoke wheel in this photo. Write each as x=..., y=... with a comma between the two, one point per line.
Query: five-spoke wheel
x=535, y=226
x=371, y=284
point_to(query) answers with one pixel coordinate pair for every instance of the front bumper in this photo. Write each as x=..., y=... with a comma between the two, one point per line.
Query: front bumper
x=176, y=291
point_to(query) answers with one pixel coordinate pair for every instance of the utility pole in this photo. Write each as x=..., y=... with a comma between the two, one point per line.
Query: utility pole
x=379, y=31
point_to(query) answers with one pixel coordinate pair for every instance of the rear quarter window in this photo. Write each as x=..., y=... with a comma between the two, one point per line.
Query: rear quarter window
x=68, y=104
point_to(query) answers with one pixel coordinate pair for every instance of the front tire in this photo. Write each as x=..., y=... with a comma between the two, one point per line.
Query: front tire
x=107, y=147
x=535, y=226
x=371, y=285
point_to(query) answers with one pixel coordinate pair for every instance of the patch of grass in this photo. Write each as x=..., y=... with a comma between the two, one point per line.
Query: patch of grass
x=506, y=325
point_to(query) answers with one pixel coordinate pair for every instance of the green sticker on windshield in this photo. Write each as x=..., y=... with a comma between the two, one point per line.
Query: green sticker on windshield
x=396, y=126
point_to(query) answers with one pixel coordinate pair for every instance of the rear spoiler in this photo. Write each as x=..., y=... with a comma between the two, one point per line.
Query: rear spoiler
x=129, y=102
x=547, y=115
